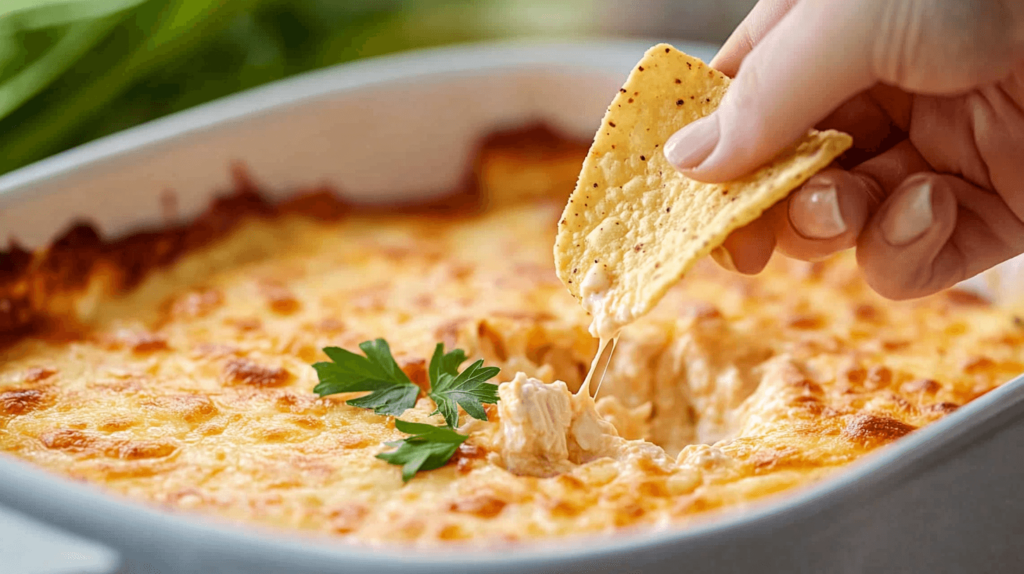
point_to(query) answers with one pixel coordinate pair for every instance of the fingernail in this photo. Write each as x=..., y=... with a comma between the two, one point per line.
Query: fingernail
x=722, y=256
x=910, y=216
x=688, y=147
x=814, y=211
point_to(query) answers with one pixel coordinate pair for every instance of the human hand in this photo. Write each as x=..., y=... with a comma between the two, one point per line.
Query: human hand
x=932, y=92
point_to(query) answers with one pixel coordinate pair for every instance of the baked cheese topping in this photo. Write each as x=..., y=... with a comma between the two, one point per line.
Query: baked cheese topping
x=193, y=392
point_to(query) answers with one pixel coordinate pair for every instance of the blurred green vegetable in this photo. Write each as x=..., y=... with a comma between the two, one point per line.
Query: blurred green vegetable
x=75, y=70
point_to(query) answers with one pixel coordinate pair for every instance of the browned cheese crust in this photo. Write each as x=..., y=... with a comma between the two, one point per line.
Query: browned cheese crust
x=183, y=380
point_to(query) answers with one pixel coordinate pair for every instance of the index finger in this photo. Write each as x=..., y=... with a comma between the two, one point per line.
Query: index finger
x=758, y=22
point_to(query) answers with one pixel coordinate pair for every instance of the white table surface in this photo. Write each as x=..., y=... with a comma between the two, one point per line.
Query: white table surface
x=29, y=547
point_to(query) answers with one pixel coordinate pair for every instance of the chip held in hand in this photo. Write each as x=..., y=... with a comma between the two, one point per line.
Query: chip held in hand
x=634, y=225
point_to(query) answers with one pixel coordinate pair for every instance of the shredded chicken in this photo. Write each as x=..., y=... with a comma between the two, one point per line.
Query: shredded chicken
x=546, y=430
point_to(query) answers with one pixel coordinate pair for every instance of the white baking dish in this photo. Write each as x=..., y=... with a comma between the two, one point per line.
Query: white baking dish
x=944, y=499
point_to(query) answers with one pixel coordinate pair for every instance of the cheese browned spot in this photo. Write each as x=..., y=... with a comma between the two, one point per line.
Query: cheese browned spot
x=91, y=444
x=21, y=401
x=249, y=372
x=868, y=428
x=736, y=396
x=192, y=408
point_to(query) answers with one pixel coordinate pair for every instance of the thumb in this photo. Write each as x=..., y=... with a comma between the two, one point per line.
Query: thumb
x=816, y=57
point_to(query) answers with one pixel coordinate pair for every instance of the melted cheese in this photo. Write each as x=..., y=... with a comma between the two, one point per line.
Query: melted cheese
x=193, y=392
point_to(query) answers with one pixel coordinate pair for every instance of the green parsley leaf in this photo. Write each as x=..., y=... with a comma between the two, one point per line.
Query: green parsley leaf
x=392, y=391
x=450, y=389
x=445, y=363
x=428, y=448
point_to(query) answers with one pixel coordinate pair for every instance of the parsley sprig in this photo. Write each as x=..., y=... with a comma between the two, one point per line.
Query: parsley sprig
x=450, y=389
x=392, y=393
x=428, y=448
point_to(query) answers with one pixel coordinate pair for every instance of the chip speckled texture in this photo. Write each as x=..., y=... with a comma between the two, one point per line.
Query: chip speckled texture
x=638, y=220
x=193, y=393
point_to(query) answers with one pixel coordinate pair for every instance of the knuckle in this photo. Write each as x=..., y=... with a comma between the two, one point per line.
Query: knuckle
x=896, y=276
x=940, y=44
x=888, y=284
x=886, y=279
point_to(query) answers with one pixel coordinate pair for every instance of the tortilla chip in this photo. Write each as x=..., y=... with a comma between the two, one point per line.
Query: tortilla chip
x=637, y=219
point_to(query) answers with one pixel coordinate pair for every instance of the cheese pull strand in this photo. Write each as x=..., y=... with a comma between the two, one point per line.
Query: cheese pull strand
x=599, y=367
